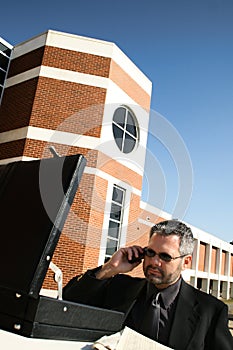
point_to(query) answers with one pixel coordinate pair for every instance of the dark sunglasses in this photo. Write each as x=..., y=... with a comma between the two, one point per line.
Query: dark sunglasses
x=162, y=256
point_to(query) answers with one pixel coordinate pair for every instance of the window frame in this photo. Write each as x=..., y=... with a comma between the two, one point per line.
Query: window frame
x=129, y=140
x=118, y=220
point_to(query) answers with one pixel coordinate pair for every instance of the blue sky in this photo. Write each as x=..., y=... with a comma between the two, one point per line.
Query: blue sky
x=186, y=49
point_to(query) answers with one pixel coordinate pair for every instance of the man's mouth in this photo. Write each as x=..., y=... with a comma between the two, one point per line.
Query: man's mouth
x=154, y=271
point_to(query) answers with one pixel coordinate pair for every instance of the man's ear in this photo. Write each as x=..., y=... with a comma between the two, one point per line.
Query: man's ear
x=187, y=261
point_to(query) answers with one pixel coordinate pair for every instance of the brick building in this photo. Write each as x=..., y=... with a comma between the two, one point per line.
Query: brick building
x=82, y=96
x=86, y=96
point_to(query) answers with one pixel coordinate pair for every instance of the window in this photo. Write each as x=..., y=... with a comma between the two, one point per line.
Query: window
x=6, y=50
x=125, y=129
x=2, y=77
x=5, y=53
x=4, y=61
x=115, y=221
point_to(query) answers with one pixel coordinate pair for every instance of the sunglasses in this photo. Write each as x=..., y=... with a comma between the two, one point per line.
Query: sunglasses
x=162, y=256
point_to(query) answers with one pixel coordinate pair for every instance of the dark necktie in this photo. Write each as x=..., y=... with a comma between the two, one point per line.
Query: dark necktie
x=150, y=325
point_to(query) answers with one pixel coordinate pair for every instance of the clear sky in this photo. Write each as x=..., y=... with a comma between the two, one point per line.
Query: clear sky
x=186, y=49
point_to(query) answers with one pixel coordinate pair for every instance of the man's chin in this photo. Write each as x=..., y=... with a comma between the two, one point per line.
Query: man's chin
x=154, y=279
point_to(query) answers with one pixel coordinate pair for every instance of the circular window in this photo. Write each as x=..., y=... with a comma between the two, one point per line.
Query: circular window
x=125, y=129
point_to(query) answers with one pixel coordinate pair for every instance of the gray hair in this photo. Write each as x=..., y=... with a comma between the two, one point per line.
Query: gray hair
x=175, y=227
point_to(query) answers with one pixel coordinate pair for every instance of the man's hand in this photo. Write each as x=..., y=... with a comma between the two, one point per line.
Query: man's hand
x=119, y=262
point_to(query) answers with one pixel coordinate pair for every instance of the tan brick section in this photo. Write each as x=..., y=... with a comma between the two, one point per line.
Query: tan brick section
x=116, y=169
x=128, y=84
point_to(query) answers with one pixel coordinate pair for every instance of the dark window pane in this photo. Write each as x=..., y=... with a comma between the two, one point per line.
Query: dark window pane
x=3, y=62
x=111, y=246
x=5, y=49
x=117, y=195
x=118, y=135
x=131, y=127
x=115, y=212
x=129, y=144
x=113, y=229
x=125, y=129
x=2, y=77
x=119, y=116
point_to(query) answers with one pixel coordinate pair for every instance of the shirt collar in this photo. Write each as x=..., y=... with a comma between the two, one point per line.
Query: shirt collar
x=168, y=294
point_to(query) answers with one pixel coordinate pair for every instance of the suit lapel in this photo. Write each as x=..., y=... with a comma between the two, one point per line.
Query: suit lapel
x=185, y=320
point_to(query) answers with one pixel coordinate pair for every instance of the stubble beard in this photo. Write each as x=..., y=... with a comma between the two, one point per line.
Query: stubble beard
x=161, y=279
x=157, y=280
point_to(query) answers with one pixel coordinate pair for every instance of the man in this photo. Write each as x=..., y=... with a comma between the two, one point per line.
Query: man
x=162, y=305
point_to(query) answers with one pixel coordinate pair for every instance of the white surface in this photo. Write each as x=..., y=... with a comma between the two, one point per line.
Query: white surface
x=11, y=341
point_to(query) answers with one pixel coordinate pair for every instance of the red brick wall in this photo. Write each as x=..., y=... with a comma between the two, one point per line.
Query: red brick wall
x=26, y=62
x=76, y=61
x=68, y=106
x=116, y=169
x=17, y=104
x=53, y=104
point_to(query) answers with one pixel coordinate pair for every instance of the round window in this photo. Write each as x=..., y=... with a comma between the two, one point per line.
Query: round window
x=125, y=129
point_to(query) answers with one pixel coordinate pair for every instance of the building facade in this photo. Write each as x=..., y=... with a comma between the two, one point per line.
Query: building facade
x=82, y=95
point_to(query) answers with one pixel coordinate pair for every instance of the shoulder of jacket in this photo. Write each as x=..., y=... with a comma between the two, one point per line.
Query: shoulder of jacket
x=204, y=297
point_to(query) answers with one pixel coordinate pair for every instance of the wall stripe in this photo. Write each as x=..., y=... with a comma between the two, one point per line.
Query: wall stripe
x=117, y=75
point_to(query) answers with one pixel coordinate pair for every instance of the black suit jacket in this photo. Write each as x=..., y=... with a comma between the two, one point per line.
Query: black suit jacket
x=200, y=322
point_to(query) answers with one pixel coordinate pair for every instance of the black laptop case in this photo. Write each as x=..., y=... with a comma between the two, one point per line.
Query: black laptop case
x=35, y=199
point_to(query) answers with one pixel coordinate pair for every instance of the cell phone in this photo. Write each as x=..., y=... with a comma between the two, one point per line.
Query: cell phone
x=137, y=259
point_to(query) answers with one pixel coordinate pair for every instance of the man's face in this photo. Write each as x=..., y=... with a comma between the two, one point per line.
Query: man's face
x=159, y=272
